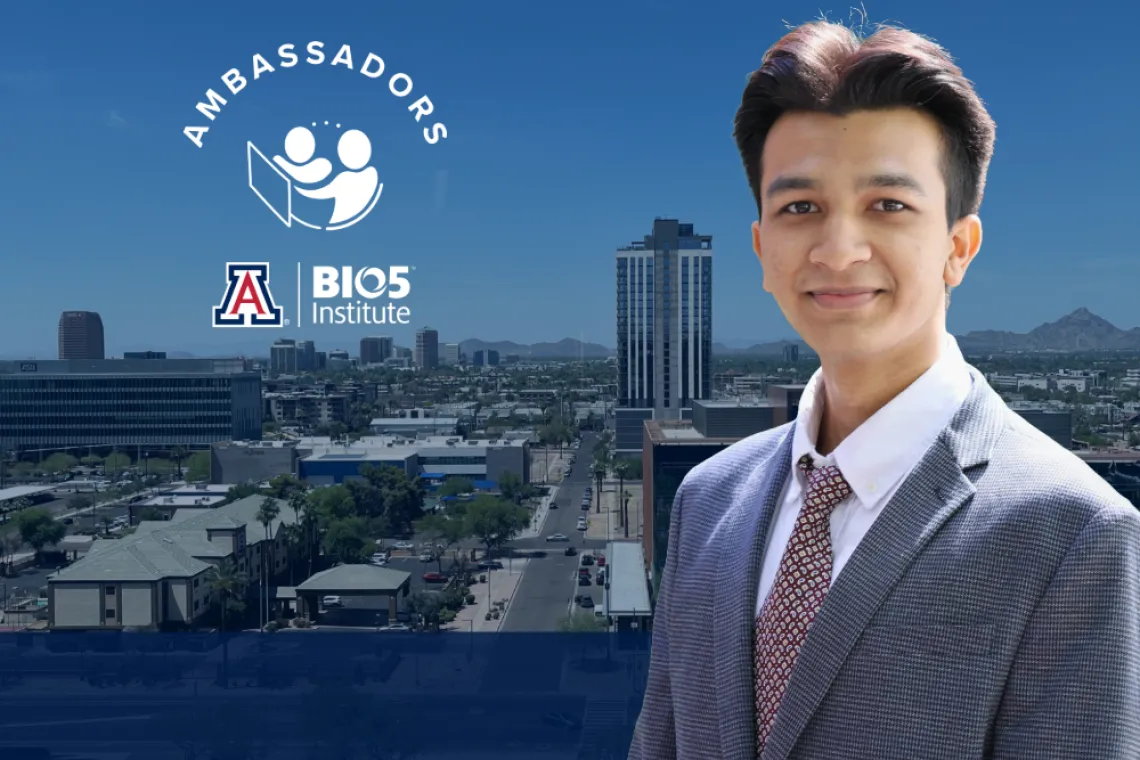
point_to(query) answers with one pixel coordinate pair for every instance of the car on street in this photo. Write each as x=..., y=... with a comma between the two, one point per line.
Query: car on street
x=403, y=545
x=601, y=560
x=435, y=578
x=558, y=537
x=581, y=523
x=426, y=557
x=587, y=560
x=398, y=627
x=600, y=576
x=584, y=580
x=332, y=601
x=587, y=602
x=492, y=564
x=571, y=551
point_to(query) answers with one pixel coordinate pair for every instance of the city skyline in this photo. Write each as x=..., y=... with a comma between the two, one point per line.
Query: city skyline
x=512, y=220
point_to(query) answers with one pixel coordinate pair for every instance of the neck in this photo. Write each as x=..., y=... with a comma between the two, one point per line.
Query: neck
x=855, y=388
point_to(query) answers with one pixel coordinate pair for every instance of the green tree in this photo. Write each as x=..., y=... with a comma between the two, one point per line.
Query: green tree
x=80, y=502
x=266, y=515
x=456, y=487
x=198, y=467
x=598, y=470
x=241, y=491
x=282, y=485
x=115, y=463
x=39, y=529
x=580, y=621
x=494, y=521
x=59, y=463
x=229, y=584
x=511, y=487
x=348, y=540
x=444, y=529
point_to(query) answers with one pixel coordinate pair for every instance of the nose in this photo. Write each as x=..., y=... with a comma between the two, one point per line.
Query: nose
x=842, y=243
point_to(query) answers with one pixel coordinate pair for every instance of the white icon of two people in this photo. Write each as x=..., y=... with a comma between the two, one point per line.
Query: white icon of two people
x=354, y=190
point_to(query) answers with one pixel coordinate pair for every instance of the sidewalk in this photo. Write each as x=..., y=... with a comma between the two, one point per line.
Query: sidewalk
x=503, y=584
x=535, y=529
x=606, y=526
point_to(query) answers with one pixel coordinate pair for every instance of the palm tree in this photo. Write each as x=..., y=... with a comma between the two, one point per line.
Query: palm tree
x=229, y=585
x=266, y=514
x=621, y=469
x=599, y=472
x=178, y=454
x=299, y=503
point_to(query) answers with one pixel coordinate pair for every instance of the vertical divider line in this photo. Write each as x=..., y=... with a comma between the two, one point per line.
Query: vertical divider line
x=298, y=294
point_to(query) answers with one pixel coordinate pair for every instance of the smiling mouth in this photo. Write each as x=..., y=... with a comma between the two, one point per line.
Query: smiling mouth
x=844, y=298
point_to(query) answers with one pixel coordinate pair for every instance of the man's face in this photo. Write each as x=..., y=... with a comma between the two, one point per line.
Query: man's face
x=853, y=238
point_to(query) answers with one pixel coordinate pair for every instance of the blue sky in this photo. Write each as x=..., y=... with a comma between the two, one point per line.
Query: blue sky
x=570, y=128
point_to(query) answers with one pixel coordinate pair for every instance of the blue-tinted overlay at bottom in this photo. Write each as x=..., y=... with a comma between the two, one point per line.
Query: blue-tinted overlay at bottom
x=317, y=694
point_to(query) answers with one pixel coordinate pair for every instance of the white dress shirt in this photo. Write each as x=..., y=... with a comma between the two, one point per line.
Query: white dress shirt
x=875, y=459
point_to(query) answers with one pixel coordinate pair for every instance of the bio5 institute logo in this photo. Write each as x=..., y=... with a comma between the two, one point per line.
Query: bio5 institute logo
x=295, y=179
x=342, y=295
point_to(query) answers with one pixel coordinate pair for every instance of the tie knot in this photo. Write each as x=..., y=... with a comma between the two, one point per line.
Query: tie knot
x=826, y=486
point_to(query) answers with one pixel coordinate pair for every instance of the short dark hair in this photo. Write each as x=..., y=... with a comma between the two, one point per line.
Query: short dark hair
x=825, y=67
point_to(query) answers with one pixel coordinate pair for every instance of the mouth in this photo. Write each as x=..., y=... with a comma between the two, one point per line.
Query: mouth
x=844, y=298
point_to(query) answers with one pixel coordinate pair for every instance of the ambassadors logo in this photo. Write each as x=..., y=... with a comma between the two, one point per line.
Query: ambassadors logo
x=344, y=295
x=298, y=181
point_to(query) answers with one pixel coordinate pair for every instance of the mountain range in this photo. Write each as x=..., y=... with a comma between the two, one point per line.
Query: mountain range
x=1079, y=331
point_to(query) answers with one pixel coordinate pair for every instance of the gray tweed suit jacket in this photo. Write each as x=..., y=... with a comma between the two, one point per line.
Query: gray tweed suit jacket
x=992, y=611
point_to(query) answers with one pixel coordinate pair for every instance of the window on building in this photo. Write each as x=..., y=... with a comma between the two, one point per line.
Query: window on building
x=109, y=615
x=110, y=590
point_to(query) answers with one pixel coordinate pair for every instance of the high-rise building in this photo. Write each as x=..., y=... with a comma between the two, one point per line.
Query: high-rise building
x=283, y=357
x=376, y=350
x=306, y=356
x=664, y=319
x=486, y=358
x=449, y=353
x=427, y=348
x=81, y=335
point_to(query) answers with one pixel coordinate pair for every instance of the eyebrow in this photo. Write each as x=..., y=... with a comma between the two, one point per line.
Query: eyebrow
x=903, y=181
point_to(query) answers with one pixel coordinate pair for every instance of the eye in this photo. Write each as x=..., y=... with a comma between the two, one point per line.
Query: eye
x=797, y=208
x=890, y=206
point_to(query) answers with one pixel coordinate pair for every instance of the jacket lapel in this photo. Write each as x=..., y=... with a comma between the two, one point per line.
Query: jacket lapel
x=741, y=546
x=936, y=489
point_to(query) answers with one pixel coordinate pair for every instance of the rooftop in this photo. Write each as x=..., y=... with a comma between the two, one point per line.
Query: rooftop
x=175, y=548
x=16, y=492
x=346, y=579
x=628, y=592
x=679, y=432
x=123, y=367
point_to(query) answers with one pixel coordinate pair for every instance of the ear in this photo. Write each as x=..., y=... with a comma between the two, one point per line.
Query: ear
x=965, y=241
x=759, y=255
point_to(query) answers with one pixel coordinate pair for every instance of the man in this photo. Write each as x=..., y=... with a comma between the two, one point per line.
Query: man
x=908, y=570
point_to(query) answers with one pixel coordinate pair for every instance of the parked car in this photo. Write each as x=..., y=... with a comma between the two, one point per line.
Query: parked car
x=571, y=551
x=425, y=557
x=435, y=577
x=601, y=560
x=492, y=564
x=584, y=580
x=332, y=601
x=587, y=602
x=558, y=537
x=587, y=560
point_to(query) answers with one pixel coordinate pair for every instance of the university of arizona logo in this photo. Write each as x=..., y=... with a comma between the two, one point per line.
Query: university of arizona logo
x=248, y=302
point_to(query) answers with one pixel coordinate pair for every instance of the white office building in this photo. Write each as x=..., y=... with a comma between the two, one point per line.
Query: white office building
x=664, y=320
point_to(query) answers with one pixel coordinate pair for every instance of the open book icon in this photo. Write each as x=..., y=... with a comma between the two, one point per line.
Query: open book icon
x=270, y=184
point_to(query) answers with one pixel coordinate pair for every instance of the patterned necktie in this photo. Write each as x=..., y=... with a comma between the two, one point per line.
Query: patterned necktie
x=801, y=583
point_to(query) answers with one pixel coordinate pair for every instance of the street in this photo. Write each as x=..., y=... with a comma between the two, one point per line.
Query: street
x=549, y=584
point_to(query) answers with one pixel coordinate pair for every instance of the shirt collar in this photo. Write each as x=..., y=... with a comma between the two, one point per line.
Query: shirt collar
x=884, y=449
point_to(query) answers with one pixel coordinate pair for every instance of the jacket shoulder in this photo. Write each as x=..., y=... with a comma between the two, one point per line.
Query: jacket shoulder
x=737, y=462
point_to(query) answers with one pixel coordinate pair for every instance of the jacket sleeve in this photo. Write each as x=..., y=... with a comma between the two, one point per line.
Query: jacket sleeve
x=1073, y=691
x=654, y=737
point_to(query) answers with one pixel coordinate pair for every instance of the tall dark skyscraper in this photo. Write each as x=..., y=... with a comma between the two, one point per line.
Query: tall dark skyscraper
x=427, y=348
x=664, y=319
x=80, y=335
